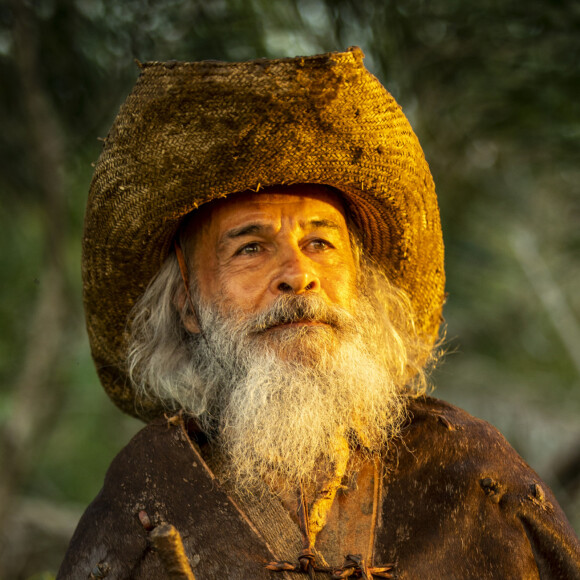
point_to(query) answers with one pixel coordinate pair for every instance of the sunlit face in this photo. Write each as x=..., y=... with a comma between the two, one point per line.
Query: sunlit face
x=252, y=247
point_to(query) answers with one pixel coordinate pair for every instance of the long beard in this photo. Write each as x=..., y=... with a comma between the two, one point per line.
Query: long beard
x=282, y=397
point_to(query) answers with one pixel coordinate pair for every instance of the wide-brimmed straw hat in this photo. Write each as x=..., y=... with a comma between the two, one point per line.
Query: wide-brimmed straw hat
x=190, y=133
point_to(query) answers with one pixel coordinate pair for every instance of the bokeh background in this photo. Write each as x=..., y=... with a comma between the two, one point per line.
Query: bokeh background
x=491, y=88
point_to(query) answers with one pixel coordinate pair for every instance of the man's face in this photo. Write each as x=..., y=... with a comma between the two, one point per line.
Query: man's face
x=253, y=247
x=295, y=360
x=299, y=351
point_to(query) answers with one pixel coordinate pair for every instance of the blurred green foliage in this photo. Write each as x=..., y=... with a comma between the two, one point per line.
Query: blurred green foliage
x=490, y=87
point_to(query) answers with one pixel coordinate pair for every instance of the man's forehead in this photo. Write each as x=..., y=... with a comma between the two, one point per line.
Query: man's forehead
x=311, y=201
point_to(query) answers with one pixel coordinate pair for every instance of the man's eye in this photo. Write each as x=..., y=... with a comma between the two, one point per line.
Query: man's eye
x=320, y=245
x=248, y=249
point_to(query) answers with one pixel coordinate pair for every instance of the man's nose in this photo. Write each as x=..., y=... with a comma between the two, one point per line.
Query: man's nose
x=296, y=274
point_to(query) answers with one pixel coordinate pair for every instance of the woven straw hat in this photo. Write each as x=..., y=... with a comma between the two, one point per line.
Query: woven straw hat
x=193, y=132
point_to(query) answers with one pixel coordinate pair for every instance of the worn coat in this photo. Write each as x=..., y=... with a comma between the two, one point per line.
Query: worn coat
x=457, y=502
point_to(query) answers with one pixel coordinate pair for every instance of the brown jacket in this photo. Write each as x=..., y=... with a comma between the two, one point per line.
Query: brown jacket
x=457, y=503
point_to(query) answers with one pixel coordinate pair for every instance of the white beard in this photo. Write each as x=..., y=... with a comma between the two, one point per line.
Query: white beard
x=281, y=400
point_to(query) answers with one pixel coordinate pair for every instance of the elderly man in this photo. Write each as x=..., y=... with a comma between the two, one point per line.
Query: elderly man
x=263, y=275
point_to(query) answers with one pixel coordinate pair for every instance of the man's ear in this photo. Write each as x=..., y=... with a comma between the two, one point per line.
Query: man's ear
x=182, y=300
x=186, y=311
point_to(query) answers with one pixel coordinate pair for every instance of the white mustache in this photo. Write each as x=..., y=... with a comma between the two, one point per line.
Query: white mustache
x=291, y=308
